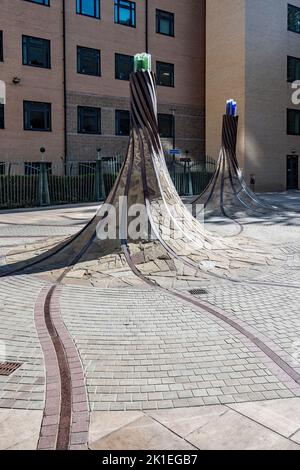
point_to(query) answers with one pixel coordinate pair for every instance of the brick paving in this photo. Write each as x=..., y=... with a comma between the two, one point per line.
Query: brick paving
x=142, y=349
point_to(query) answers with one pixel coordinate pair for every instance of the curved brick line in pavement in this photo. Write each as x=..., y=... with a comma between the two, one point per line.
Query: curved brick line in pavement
x=262, y=346
x=66, y=417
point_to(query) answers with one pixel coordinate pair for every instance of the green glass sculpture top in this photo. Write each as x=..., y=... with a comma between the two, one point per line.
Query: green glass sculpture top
x=142, y=62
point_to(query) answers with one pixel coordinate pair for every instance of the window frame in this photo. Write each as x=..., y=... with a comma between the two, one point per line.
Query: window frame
x=38, y=3
x=172, y=24
x=288, y=18
x=118, y=6
x=289, y=57
x=158, y=65
x=171, y=117
x=81, y=48
x=1, y=46
x=25, y=44
x=79, y=7
x=117, y=55
x=118, y=121
x=296, y=112
x=79, y=117
x=2, y=116
x=27, y=102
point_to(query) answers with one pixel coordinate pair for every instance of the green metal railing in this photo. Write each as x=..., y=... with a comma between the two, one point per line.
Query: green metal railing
x=43, y=184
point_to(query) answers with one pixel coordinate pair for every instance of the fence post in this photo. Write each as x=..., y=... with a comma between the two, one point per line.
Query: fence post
x=43, y=188
x=99, y=182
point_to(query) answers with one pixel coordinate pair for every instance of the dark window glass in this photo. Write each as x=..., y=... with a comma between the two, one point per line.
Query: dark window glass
x=40, y=2
x=2, y=168
x=122, y=122
x=88, y=61
x=293, y=122
x=124, y=66
x=86, y=168
x=37, y=116
x=165, y=125
x=89, y=120
x=1, y=46
x=165, y=74
x=165, y=22
x=293, y=71
x=33, y=168
x=125, y=13
x=1, y=116
x=293, y=18
x=36, y=52
x=88, y=8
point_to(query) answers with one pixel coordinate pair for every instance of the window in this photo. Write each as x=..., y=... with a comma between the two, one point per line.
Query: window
x=293, y=70
x=122, y=122
x=165, y=74
x=124, y=66
x=33, y=168
x=86, y=168
x=1, y=46
x=125, y=13
x=88, y=61
x=293, y=122
x=36, y=52
x=40, y=2
x=88, y=8
x=1, y=116
x=89, y=120
x=165, y=125
x=37, y=116
x=165, y=23
x=294, y=19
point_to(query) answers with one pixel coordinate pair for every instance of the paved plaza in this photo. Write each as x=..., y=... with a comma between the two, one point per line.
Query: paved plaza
x=190, y=362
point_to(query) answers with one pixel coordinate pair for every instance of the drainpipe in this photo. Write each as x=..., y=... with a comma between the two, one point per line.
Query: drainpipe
x=146, y=27
x=65, y=85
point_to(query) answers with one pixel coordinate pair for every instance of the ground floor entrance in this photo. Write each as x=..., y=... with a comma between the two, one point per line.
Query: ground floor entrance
x=292, y=172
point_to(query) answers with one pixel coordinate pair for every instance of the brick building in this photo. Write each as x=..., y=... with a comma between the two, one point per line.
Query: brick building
x=66, y=66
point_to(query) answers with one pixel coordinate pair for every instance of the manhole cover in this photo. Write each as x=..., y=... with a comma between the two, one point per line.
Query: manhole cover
x=198, y=291
x=7, y=368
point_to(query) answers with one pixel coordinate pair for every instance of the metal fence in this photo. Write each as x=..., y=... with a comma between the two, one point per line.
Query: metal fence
x=32, y=184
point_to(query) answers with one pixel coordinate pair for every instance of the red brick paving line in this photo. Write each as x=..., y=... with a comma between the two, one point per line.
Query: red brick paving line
x=56, y=430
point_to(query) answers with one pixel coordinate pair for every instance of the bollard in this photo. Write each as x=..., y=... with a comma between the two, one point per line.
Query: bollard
x=43, y=186
x=99, y=182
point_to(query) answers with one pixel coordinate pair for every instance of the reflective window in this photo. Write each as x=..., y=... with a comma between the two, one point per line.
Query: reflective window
x=124, y=66
x=165, y=74
x=88, y=8
x=88, y=61
x=37, y=116
x=89, y=120
x=165, y=22
x=36, y=52
x=125, y=13
x=122, y=122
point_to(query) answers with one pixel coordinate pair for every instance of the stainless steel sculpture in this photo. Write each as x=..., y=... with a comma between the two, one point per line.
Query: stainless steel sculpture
x=228, y=193
x=170, y=232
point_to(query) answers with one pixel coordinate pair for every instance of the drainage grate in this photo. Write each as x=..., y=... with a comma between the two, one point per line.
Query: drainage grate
x=7, y=368
x=198, y=291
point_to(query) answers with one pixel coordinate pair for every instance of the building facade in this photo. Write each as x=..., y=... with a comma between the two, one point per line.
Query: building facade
x=255, y=58
x=66, y=66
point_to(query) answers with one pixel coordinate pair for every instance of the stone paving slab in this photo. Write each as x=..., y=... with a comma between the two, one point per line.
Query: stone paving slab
x=19, y=429
x=206, y=428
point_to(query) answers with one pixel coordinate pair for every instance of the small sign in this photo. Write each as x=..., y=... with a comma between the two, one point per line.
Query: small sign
x=175, y=152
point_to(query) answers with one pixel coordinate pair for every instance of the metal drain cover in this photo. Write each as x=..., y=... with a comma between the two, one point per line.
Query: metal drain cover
x=7, y=368
x=198, y=291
